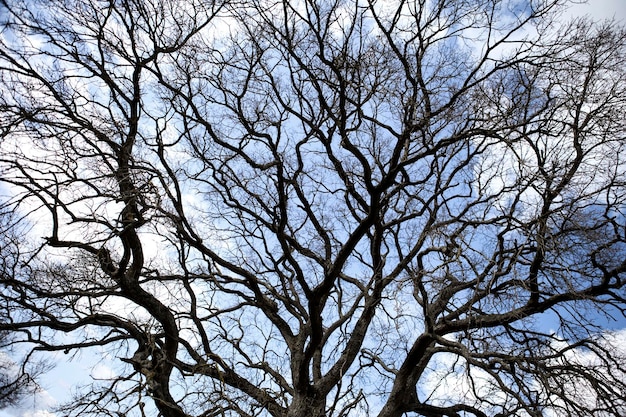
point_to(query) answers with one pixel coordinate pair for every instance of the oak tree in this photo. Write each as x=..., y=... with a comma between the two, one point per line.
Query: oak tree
x=319, y=207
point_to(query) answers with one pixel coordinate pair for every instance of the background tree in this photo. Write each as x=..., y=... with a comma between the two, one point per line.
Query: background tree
x=12, y=387
x=320, y=207
x=17, y=380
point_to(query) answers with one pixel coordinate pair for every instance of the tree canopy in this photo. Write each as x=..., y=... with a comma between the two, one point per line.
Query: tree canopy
x=318, y=207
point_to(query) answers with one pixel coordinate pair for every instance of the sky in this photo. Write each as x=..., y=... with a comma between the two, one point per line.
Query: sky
x=58, y=383
x=602, y=9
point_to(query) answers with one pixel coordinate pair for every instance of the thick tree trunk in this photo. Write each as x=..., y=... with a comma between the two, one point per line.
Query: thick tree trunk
x=307, y=406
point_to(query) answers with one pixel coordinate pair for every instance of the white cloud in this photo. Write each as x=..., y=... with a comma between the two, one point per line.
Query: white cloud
x=601, y=9
x=38, y=413
x=37, y=406
x=101, y=371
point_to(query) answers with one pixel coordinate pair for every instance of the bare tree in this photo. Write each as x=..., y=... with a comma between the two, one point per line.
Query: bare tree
x=13, y=385
x=17, y=379
x=310, y=208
